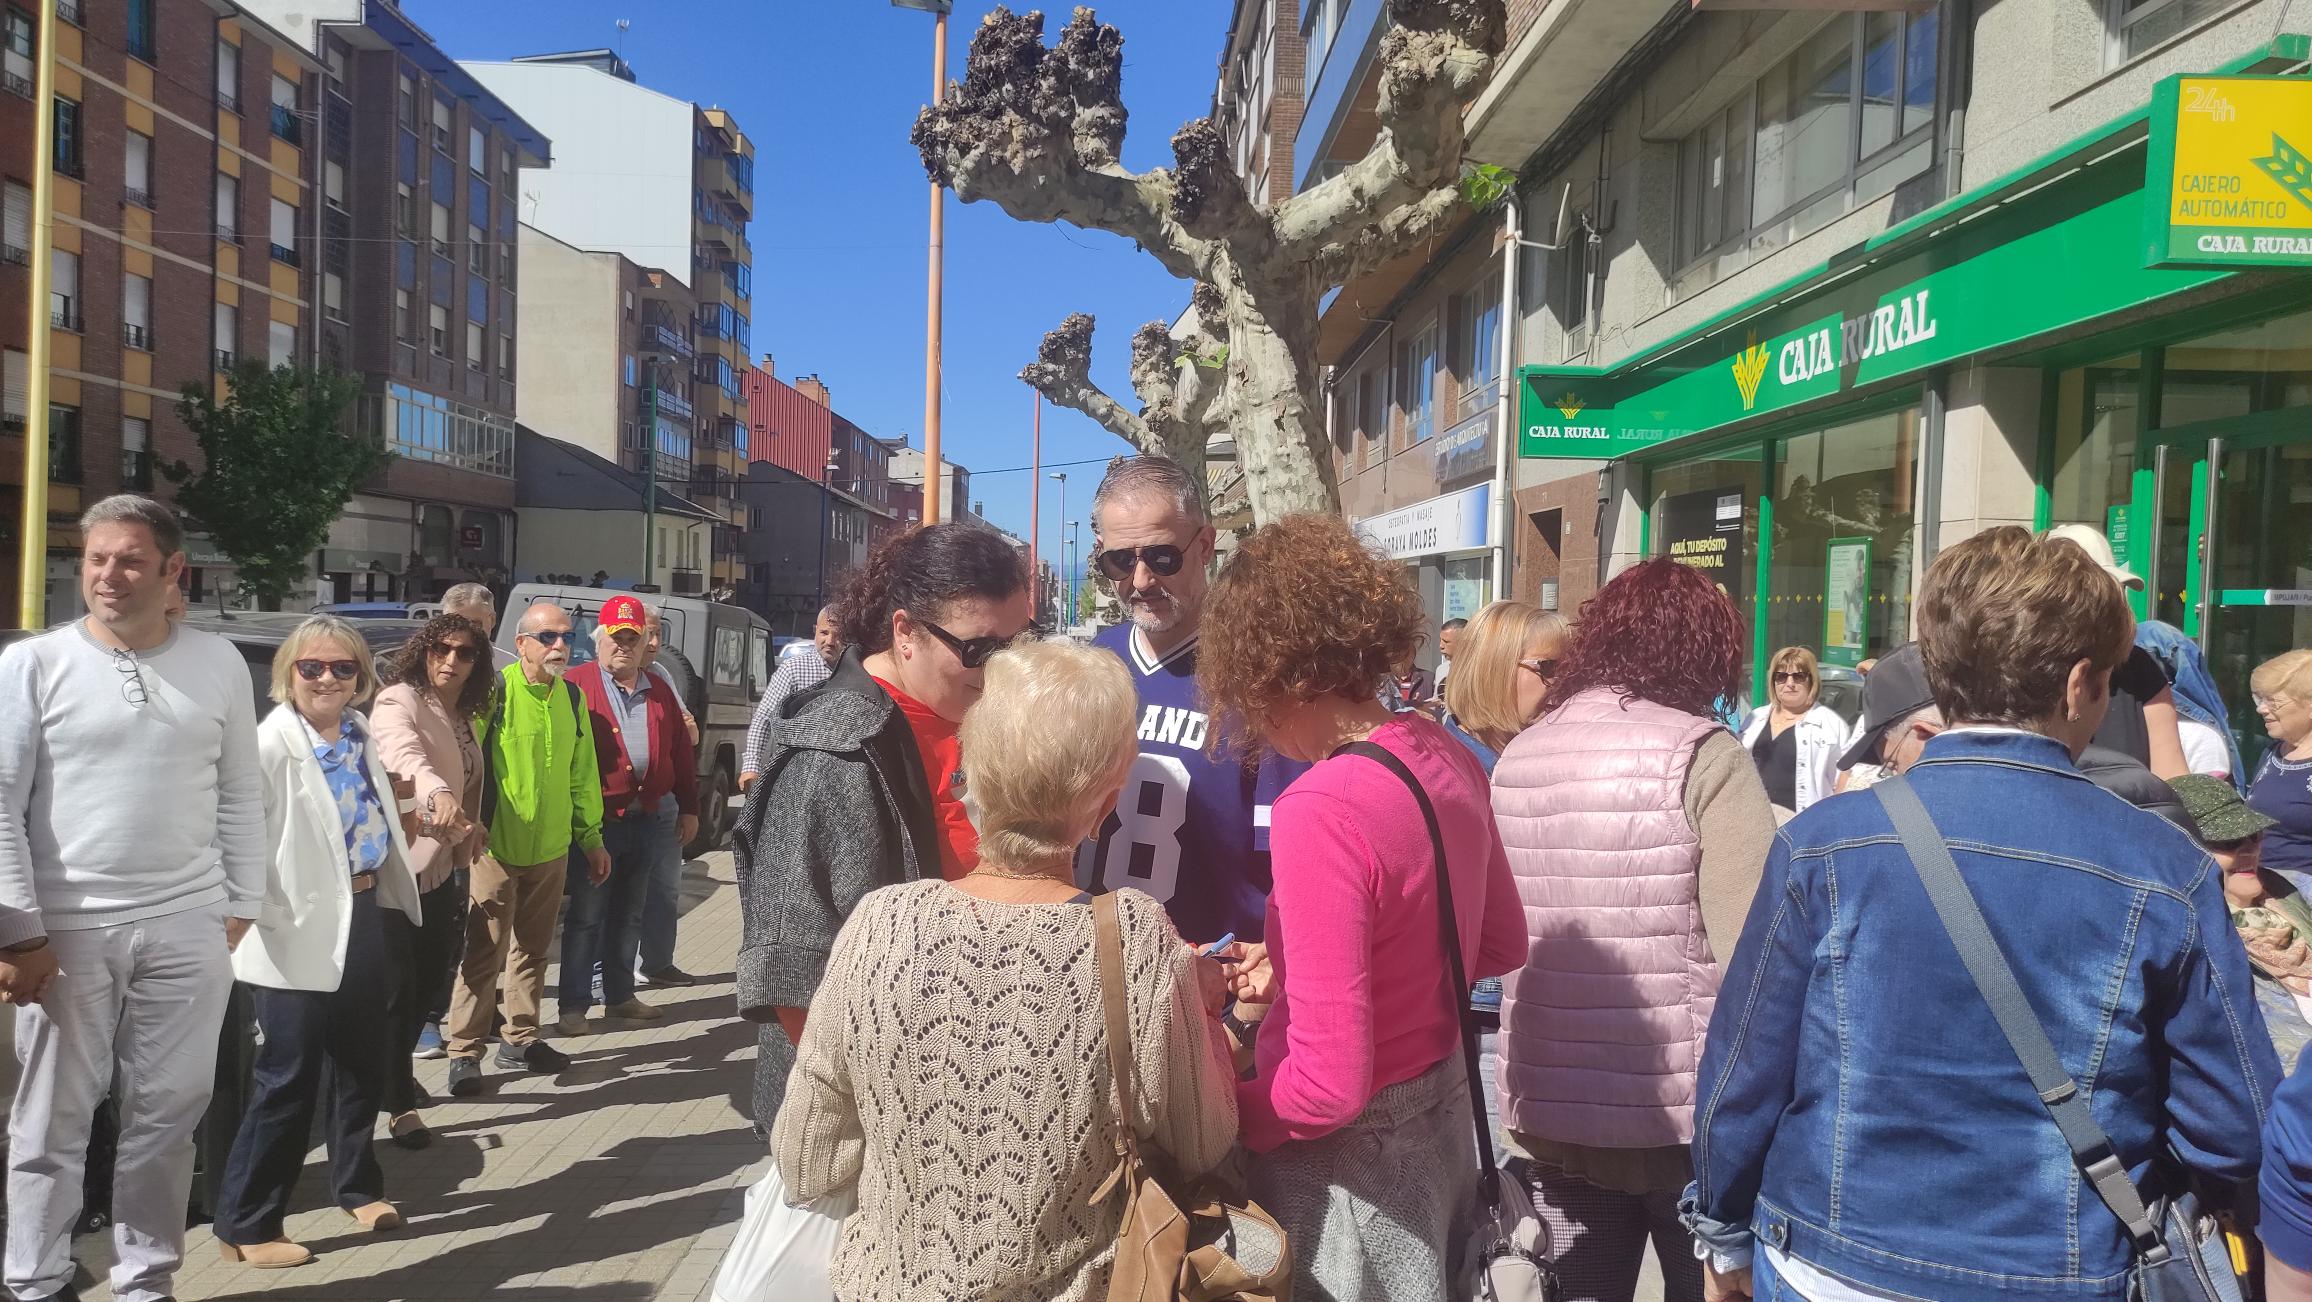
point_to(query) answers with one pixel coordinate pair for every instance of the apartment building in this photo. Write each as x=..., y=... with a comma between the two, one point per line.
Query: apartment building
x=819, y=494
x=668, y=184
x=184, y=225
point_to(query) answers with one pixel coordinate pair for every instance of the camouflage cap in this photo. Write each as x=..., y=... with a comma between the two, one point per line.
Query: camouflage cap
x=2217, y=809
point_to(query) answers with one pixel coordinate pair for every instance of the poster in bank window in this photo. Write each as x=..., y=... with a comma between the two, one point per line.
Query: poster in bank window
x=1846, y=602
x=1704, y=530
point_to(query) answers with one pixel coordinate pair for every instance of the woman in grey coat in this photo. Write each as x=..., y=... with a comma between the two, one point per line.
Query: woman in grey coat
x=860, y=788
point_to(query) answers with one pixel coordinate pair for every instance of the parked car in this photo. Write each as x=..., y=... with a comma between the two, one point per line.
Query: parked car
x=719, y=659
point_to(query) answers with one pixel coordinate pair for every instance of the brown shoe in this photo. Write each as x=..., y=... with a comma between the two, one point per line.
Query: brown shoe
x=376, y=1217
x=279, y=1254
x=408, y=1130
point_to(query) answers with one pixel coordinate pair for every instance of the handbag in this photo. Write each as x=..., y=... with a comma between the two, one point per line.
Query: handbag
x=1506, y=1258
x=2179, y=1249
x=1176, y=1238
x=780, y=1253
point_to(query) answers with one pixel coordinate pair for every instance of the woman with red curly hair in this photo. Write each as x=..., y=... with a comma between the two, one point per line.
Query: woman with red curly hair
x=1637, y=830
x=1359, y=1113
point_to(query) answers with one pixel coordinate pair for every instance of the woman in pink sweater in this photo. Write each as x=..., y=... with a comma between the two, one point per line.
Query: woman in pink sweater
x=1358, y=1116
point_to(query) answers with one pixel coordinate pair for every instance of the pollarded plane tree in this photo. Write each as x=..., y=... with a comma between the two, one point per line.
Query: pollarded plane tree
x=1037, y=131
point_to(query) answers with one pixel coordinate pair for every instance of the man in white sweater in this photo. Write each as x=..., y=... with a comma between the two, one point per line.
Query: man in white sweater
x=132, y=860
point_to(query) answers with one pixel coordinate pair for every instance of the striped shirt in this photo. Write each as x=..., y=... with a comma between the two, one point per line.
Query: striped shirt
x=796, y=673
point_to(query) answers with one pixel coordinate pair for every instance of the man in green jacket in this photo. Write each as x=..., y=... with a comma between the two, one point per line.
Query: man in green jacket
x=540, y=751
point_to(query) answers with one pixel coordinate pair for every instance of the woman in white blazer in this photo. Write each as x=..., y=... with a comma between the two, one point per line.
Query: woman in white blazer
x=323, y=961
x=1796, y=741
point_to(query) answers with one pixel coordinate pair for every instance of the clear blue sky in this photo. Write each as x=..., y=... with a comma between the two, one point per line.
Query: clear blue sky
x=828, y=90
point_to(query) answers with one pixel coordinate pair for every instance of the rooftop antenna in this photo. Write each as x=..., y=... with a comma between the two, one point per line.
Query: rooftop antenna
x=622, y=26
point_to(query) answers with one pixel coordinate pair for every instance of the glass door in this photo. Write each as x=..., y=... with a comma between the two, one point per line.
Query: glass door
x=2259, y=602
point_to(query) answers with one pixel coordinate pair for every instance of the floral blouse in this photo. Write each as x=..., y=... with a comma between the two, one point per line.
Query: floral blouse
x=345, y=765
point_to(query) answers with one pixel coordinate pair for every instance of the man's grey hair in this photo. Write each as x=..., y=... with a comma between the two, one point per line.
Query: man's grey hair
x=132, y=508
x=1162, y=476
x=466, y=596
x=826, y=612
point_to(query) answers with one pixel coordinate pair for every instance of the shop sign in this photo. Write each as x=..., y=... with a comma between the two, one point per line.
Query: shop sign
x=1846, y=601
x=1466, y=449
x=1455, y=522
x=2006, y=277
x=2228, y=182
x=1704, y=530
x=470, y=537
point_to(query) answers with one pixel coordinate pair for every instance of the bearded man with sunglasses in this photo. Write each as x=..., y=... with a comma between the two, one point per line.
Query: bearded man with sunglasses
x=132, y=860
x=1192, y=827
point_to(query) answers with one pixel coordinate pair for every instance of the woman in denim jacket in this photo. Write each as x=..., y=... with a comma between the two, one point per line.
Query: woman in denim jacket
x=1865, y=1129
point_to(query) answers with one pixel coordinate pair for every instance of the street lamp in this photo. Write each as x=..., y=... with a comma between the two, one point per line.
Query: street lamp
x=933, y=309
x=1075, y=565
x=1062, y=476
x=826, y=523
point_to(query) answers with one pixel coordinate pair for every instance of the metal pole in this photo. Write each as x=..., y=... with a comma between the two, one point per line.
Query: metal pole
x=932, y=476
x=1062, y=476
x=1035, y=499
x=650, y=481
x=1505, y=417
x=826, y=526
x=32, y=562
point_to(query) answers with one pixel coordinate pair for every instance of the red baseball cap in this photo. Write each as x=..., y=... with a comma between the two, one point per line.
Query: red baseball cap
x=622, y=613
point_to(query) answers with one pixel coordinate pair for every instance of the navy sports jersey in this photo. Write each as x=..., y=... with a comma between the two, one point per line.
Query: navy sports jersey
x=1190, y=829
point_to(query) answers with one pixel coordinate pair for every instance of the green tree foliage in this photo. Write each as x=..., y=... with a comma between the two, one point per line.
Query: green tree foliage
x=279, y=461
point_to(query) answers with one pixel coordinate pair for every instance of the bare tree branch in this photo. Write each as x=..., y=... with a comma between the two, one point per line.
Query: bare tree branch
x=1062, y=372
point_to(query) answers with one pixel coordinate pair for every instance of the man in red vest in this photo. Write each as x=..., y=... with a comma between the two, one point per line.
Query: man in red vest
x=649, y=812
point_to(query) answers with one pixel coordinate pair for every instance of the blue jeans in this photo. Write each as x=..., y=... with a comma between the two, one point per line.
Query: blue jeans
x=662, y=903
x=604, y=923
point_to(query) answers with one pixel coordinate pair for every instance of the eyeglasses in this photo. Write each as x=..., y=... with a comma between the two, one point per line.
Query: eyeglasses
x=344, y=671
x=465, y=652
x=1542, y=669
x=1121, y=563
x=132, y=683
x=549, y=636
x=976, y=652
x=1792, y=676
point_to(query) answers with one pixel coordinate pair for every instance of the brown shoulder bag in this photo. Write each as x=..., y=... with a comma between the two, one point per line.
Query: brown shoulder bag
x=1174, y=1243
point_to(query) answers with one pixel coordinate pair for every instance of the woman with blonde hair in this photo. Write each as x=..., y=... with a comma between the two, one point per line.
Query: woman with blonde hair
x=1502, y=666
x=953, y=1076
x=1796, y=741
x=324, y=961
x=2282, y=789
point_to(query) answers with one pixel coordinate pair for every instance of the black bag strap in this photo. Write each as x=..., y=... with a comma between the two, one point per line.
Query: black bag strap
x=1457, y=993
x=1963, y=921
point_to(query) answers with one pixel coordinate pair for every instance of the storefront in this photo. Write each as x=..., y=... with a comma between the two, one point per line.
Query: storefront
x=2088, y=339
x=1442, y=542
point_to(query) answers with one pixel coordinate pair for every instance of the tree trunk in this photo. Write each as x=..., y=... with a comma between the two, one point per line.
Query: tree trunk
x=1277, y=419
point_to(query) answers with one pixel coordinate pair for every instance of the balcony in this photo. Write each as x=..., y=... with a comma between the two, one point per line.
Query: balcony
x=64, y=317
x=282, y=253
x=229, y=101
x=228, y=234
x=17, y=83
x=224, y=359
x=69, y=11
x=138, y=197
x=15, y=256
x=665, y=341
x=670, y=403
x=713, y=240
x=286, y=124
x=136, y=336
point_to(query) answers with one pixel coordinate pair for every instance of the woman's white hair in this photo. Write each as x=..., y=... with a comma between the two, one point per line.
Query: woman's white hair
x=1046, y=748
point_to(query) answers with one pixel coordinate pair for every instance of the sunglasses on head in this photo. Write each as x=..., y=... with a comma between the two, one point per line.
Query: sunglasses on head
x=1121, y=563
x=974, y=652
x=344, y=671
x=549, y=636
x=464, y=651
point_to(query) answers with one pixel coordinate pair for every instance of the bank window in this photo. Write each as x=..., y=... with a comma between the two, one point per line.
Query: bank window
x=1704, y=513
x=2097, y=418
x=1474, y=356
x=1845, y=118
x=2262, y=367
x=1417, y=386
x=2138, y=25
x=1844, y=533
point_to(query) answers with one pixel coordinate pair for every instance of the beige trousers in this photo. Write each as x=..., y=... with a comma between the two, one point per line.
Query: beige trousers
x=508, y=931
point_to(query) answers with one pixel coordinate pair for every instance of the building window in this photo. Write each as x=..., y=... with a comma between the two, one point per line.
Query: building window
x=63, y=444
x=16, y=231
x=68, y=137
x=1843, y=120
x=505, y=357
x=333, y=184
x=478, y=150
x=1473, y=349
x=441, y=229
x=136, y=311
x=438, y=318
x=229, y=76
x=140, y=29
x=228, y=207
x=477, y=250
x=474, y=355
x=2138, y=25
x=423, y=427
x=137, y=175
x=333, y=294
x=334, y=59
x=404, y=324
x=286, y=124
x=441, y=125
x=16, y=52
x=63, y=289
x=228, y=326
x=1417, y=385
x=284, y=232
x=633, y=372
x=404, y=211
x=280, y=343
x=408, y=102
x=136, y=454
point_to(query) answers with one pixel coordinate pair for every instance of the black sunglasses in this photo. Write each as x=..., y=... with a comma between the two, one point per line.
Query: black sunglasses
x=464, y=651
x=550, y=636
x=1542, y=669
x=976, y=652
x=1162, y=560
x=1792, y=676
x=345, y=671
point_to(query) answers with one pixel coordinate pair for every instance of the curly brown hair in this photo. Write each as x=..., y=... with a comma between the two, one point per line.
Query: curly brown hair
x=1304, y=609
x=409, y=663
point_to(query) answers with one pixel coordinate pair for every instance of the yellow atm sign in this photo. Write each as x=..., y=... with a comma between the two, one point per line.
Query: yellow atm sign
x=2229, y=179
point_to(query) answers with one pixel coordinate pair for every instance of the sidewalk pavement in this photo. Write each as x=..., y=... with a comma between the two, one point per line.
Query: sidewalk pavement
x=621, y=1179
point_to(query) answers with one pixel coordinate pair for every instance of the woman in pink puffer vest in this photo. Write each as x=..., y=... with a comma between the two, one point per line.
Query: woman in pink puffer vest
x=1636, y=829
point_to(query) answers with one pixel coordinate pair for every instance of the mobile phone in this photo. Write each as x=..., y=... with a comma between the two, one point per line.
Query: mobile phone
x=1213, y=950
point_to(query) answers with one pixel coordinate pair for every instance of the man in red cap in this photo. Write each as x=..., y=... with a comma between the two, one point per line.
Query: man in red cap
x=649, y=812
